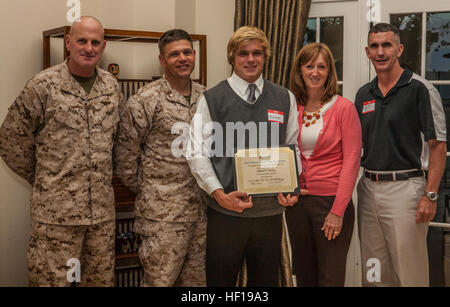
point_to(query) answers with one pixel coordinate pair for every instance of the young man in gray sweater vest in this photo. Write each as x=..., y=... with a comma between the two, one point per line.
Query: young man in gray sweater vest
x=241, y=227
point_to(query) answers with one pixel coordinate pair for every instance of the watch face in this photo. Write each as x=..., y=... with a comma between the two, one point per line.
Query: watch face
x=432, y=196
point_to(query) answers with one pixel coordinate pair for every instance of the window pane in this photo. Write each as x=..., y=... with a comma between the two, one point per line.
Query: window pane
x=444, y=90
x=410, y=26
x=332, y=34
x=438, y=46
x=310, y=33
x=340, y=90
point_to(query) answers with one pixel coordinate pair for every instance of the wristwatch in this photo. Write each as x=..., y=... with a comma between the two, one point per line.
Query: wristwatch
x=432, y=196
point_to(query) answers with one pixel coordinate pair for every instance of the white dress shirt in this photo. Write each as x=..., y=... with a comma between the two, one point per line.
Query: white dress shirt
x=201, y=166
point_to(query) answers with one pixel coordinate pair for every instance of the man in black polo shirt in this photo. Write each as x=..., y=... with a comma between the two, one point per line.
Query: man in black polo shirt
x=404, y=134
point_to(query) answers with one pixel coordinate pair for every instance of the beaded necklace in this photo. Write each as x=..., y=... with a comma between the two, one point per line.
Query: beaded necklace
x=310, y=118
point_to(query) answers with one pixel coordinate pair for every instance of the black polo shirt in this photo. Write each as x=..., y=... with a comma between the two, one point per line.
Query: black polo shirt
x=395, y=128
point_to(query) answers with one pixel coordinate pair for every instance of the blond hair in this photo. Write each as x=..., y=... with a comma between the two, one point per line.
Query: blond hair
x=242, y=36
x=307, y=54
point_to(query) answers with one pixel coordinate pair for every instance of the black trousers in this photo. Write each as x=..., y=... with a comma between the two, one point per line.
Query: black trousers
x=317, y=261
x=229, y=239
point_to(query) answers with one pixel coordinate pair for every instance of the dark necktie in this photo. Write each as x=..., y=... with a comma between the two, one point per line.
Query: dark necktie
x=251, y=96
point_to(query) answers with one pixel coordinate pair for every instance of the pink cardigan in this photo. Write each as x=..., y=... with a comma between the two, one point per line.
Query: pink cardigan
x=334, y=163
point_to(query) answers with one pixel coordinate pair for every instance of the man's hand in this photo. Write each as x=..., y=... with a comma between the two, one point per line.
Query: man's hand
x=287, y=201
x=234, y=201
x=426, y=210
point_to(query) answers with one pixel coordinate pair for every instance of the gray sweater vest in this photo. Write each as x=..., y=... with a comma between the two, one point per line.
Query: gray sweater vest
x=230, y=111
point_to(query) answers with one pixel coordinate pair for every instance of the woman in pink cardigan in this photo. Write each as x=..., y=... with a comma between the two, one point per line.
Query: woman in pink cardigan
x=321, y=224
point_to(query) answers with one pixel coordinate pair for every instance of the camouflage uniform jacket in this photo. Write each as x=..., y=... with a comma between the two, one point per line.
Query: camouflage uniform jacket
x=165, y=187
x=60, y=140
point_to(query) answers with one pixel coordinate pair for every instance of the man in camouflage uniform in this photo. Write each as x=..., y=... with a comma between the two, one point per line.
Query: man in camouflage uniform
x=58, y=135
x=169, y=214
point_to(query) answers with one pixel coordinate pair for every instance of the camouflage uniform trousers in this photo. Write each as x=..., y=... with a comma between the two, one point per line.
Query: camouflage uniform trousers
x=173, y=253
x=51, y=246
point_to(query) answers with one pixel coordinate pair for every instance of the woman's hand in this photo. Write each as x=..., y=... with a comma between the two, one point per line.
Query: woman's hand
x=332, y=226
x=304, y=192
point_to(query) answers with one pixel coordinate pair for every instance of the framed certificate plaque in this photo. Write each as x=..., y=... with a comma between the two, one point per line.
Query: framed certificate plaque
x=266, y=171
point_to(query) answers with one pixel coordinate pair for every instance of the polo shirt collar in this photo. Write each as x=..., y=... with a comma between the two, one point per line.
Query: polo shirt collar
x=405, y=79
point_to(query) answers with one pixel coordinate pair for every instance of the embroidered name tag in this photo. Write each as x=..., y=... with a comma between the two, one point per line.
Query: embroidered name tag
x=368, y=106
x=275, y=116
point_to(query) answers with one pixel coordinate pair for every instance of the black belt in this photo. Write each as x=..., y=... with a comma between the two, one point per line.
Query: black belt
x=394, y=176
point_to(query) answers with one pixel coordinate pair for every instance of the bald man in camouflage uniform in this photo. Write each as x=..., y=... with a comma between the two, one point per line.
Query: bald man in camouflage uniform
x=169, y=214
x=58, y=135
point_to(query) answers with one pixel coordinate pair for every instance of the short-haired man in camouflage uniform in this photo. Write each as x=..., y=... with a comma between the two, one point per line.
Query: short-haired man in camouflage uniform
x=58, y=135
x=169, y=214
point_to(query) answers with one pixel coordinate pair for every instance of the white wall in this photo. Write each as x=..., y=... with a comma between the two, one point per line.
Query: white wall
x=185, y=15
x=22, y=23
x=215, y=18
